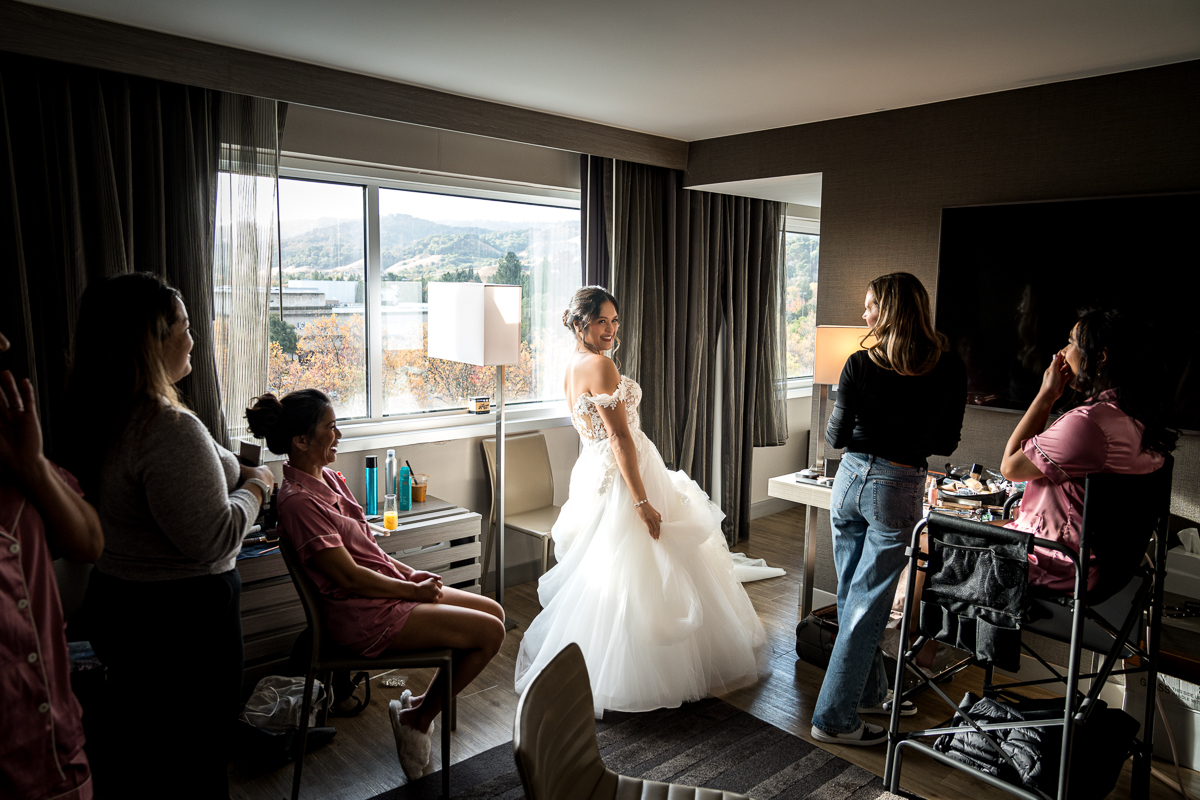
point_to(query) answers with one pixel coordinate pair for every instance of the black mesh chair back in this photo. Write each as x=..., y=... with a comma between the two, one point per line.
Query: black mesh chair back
x=1120, y=515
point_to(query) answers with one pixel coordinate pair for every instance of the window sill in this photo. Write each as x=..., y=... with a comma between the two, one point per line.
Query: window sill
x=405, y=431
x=799, y=387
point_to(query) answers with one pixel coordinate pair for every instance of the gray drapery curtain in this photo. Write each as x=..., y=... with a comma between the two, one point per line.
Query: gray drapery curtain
x=595, y=218
x=102, y=174
x=686, y=265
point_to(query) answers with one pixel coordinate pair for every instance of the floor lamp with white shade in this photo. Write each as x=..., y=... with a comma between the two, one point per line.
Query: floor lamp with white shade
x=480, y=324
x=835, y=344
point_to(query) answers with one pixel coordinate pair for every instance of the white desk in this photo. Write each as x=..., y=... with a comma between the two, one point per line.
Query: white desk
x=815, y=497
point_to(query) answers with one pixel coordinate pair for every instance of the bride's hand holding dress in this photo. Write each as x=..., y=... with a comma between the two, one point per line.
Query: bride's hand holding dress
x=600, y=370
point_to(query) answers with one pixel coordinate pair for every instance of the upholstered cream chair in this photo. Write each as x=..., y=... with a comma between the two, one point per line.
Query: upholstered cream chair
x=554, y=743
x=528, y=493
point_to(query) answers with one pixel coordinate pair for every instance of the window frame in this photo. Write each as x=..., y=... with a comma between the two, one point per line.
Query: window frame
x=375, y=431
x=801, y=387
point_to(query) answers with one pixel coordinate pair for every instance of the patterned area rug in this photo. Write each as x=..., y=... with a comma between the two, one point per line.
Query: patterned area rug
x=709, y=743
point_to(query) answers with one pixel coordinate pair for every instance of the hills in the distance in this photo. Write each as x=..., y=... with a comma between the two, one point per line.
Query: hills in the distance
x=410, y=246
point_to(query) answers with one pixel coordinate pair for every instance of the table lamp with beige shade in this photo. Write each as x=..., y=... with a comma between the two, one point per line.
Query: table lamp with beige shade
x=480, y=324
x=834, y=345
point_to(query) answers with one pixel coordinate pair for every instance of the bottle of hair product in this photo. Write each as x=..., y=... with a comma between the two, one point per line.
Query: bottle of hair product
x=404, y=490
x=372, y=504
x=390, y=468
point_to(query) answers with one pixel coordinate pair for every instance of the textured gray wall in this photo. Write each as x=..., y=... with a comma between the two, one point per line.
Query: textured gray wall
x=887, y=176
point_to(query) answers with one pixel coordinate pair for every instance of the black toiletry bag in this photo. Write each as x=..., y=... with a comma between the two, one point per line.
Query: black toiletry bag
x=815, y=636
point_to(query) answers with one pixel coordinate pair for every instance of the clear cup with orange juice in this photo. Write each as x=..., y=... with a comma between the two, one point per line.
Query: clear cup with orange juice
x=390, y=516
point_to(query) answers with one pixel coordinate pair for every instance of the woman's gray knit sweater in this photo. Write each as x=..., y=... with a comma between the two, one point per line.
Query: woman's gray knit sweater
x=166, y=500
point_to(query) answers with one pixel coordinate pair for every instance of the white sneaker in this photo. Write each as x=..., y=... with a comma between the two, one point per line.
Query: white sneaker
x=412, y=746
x=907, y=708
x=866, y=736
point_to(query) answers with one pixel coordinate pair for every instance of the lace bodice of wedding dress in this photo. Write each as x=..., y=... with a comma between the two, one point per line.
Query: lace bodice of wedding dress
x=586, y=417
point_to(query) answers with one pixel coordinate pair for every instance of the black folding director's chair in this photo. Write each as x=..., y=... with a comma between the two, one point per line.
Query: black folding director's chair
x=1119, y=618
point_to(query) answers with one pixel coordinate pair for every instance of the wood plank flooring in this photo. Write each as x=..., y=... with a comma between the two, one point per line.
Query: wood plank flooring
x=361, y=760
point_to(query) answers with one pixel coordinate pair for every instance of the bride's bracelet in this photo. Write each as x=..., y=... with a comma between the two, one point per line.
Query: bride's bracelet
x=641, y=502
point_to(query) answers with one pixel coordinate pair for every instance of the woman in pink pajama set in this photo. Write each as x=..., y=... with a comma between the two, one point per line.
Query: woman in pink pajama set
x=1119, y=427
x=372, y=602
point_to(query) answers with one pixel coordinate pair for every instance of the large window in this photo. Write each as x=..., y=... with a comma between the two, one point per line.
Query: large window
x=351, y=315
x=429, y=237
x=800, y=304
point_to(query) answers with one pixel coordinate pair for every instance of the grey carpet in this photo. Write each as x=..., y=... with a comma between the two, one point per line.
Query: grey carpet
x=709, y=743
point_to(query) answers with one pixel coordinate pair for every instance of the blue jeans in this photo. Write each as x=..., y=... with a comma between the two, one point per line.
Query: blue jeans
x=875, y=505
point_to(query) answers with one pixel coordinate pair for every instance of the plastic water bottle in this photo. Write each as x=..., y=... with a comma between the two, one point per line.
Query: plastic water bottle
x=404, y=490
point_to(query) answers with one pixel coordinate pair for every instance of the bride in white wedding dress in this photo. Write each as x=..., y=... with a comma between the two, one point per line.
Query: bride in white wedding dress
x=645, y=583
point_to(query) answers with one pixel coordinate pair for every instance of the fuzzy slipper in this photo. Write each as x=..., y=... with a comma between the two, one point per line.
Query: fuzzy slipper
x=406, y=702
x=412, y=746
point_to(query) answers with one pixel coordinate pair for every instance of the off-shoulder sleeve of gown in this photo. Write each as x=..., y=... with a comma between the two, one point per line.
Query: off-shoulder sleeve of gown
x=611, y=400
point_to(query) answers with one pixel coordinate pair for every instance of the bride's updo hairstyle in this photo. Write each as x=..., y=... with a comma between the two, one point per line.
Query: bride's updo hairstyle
x=583, y=310
x=279, y=421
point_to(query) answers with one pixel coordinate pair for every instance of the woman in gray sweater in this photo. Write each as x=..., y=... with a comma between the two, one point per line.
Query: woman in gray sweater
x=174, y=505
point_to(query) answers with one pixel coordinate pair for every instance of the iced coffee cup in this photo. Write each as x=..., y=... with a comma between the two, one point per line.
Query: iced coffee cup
x=420, y=482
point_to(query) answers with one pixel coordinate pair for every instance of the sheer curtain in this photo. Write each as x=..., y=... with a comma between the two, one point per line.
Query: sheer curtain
x=554, y=255
x=245, y=250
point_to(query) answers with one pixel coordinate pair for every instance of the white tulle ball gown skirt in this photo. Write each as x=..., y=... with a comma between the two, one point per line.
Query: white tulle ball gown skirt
x=660, y=622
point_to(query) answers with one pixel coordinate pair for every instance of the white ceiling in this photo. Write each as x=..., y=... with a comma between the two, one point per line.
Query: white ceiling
x=693, y=69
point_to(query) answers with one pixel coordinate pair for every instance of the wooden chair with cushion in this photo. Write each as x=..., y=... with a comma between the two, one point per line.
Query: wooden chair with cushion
x=554, y=743
x=528, y=493
x=326, y=657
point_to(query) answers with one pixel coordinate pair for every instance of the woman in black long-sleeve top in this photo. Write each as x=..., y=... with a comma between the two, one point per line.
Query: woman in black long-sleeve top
x=899, y=401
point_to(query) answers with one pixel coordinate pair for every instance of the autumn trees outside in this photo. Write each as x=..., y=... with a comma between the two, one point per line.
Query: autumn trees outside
x=330, y=353
x=800, y=302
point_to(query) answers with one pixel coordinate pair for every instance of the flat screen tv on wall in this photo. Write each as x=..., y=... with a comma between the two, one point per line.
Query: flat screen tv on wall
x=1011, y=279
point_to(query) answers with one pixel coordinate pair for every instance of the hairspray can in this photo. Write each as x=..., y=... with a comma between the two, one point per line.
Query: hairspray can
x=372, y=506
x=390, y=467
